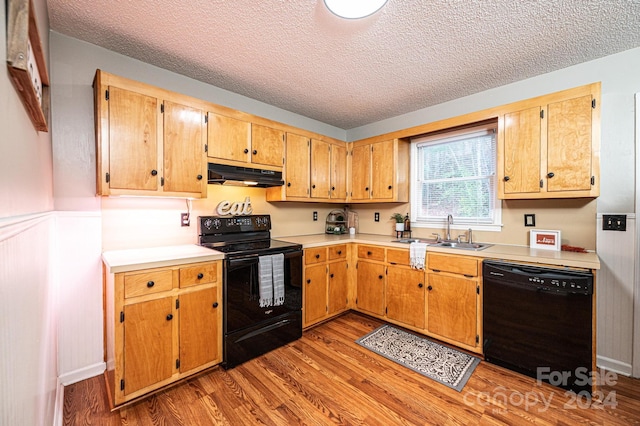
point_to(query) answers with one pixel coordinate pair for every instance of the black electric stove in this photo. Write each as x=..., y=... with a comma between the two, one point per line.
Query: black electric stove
x=254, y=324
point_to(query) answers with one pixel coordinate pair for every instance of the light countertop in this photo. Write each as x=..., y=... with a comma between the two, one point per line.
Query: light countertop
x=497, y=251
x=157, y=257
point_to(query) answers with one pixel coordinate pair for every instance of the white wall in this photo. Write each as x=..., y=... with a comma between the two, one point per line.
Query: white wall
x=28, y=316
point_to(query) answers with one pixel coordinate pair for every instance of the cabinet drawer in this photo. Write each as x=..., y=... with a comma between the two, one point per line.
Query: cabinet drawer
x=148, y=283
x=338, y=252
x=371, y=252
x=201, y=273
x=398, y=257
x=454, y=264
x=315, y=255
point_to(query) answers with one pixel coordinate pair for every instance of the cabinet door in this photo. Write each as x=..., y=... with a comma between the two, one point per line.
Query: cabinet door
x=338, y=171
x=522, y=151
x=451, y=308
x=569, y=153
x=370, y=289
x=315, y=293
x=406, y=296
x=199, y=328
x=267, y=145
x=338, y=287
x=133, y=140
x=183, y=145
x=382, y=170
x=297, y=166
x=360, y=172
x=148, y=343
x=320, y=168
x=228, y=138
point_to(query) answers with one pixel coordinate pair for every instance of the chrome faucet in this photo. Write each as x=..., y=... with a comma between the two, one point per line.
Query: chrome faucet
x=449, y=222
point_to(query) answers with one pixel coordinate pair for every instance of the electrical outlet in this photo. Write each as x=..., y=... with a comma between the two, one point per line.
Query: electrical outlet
x=614, y=222
x=184, y=219
x=529, y=220
x=376, y=217
x=315, y=216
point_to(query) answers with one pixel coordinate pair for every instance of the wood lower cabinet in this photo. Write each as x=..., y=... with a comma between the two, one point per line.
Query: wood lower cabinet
x=548, y=147
x=161, y=325
x=326, y=283
x=454, y=300
x=148, y=141
x=371, y=282
x=406, y=295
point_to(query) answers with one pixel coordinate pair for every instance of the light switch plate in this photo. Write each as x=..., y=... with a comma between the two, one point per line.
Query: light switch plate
x=529, y=220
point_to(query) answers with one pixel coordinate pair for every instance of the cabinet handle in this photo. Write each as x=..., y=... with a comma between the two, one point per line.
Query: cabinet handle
x=169, y=317
x=317, y=256
x=380, y=277
x=150, y=284
x=215, y=304
x=331, y=276
x=333, y=188
x=199, y=177
x=313, y=186
x=200, y=276
x=339, y=252
x=308, y=281
x=369, y=253
x=154, y=172
x=420, y=285
x=506, y=178
x=367, y=188
x=246, y=150
x=429, y=288
x=288, y=183
x=254, y=152
x=550, y=174
x=390, y=186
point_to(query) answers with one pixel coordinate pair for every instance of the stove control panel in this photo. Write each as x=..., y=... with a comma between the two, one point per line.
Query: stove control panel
x=233, y=224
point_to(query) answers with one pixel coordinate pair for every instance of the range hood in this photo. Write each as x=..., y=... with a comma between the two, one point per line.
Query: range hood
x=246, y=176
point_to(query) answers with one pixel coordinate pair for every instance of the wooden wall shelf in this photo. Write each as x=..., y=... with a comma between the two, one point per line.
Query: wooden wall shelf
x=25, y=61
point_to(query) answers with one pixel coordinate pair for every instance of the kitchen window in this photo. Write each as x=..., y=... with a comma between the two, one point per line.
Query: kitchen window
x=454, y=173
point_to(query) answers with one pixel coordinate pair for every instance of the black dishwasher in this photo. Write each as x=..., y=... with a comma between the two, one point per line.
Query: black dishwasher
x=538, y=322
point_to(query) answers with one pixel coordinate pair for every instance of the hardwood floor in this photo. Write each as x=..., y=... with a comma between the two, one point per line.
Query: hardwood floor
x=325, y=378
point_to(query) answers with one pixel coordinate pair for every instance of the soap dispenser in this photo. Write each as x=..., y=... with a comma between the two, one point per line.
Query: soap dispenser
x=407, y=223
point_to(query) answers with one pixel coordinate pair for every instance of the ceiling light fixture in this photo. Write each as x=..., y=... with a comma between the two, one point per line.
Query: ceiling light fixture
x=354, y=9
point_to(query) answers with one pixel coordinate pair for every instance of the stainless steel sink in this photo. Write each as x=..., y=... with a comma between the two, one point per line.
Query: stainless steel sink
x=414, y=240
x=462, y=246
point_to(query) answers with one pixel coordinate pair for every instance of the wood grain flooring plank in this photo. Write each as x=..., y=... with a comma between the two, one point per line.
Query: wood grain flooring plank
x=325, y=378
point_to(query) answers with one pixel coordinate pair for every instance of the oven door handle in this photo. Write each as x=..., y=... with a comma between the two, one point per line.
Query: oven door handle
x=240, y=262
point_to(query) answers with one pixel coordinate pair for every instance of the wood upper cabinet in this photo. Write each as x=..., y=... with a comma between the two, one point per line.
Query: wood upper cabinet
x=161, y=325
x=380, y=171
x=548, y=147
x=235, y=141
x=315, y=170
x=267, y=145
x=328, y=170
x=320, y=169
x=228, y=138
x=297, y=166
x=148, y=141
x=183, y=146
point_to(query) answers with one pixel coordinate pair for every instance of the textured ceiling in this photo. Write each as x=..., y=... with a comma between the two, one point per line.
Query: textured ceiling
x=298, y=56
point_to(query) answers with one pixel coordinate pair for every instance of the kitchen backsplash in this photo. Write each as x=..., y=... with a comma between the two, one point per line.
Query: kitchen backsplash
x=125, y=220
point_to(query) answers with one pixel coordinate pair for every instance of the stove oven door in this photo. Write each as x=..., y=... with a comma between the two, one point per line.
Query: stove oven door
x=251, y=330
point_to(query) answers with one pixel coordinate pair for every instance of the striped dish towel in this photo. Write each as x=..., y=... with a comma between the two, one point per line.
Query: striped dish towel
x=265, y=277
x=417, y=254
x=278, y=279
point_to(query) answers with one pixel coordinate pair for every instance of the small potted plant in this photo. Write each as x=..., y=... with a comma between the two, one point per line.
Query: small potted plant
x=399, y=221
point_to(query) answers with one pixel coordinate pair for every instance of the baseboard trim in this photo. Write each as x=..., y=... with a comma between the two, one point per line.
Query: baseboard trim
x=58, y=409
x=613, y=365
x=82, y=374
